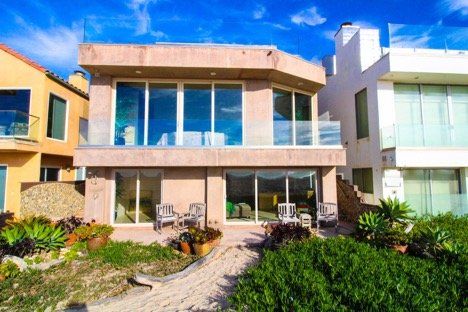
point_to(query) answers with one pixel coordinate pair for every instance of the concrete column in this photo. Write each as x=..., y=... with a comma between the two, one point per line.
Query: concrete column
x=96, y=204
x=214, y=197
x=258, y=112
x=100, y=110
x=329, y=185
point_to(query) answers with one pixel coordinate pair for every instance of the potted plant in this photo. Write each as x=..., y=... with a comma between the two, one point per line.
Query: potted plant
x=95, y=235
x=200, y=241
x=185, y=239
x=214, y=236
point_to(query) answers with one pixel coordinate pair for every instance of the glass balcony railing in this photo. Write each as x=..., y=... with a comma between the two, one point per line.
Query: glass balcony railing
x=425, y=204
x=227, y=133
x=18, y=125
x=424, y=136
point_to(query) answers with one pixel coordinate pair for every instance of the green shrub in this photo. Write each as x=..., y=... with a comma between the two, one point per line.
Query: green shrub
x=455, y=226
x=9, y=269
x=283, y=234
x=339, y=274
x=93, y=230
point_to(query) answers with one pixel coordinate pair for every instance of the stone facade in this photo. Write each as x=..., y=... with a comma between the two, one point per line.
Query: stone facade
x=55, y=200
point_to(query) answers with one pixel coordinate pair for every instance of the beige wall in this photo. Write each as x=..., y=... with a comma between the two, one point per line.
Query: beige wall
x=182, y=186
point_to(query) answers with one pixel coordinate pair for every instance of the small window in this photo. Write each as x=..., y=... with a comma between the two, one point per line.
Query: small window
x=56, y=121
x=49, y=174
x=362, y=119
x=80, y=173
x=362, y=177
x=83, y=139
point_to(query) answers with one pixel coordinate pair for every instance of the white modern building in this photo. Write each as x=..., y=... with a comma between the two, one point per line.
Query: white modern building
x=404, y=120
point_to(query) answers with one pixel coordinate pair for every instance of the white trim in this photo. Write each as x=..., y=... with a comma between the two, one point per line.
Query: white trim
x=146, y=125
x=3, y=209
x=67, y=111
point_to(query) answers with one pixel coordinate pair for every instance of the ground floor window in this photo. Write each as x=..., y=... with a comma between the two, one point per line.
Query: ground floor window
x=254, y=195
x=3, y=172
x=49, y=174
x=433, y=191
x=363, y=178
x=136, y=194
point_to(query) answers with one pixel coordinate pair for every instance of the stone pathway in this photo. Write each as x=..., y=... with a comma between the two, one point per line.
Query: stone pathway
x=204, y=289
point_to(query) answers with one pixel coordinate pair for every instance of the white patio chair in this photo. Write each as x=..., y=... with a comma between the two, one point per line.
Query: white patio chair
x=287, y=213
x=165, y=214
x=327, y=212
x=196, y=213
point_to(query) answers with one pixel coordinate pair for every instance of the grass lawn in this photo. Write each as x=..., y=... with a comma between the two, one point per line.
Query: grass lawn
x=98, y=275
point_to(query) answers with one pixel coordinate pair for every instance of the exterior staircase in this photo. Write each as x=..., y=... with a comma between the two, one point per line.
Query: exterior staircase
x=351, y=202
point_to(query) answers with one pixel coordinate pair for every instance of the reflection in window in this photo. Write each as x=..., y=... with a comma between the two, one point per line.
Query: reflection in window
x=282, y=117
x=228, y=114
x=130, y=113
x=14, y=112
x=49, y=174
x=303, y=122
x=240, y=195
x=271, y=192
x=197, y=114
x=131, y=185
x=302, y=190
x=162, y=116
x=56, y=121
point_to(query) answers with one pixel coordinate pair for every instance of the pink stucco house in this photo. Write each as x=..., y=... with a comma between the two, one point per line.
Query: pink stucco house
x=235, y=127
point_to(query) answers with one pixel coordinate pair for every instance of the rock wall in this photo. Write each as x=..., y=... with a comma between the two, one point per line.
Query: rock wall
x=55, y=200
x=350, y=205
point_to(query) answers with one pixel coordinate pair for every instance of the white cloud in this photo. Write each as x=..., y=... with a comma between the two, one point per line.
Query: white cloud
x=364, y=24
x=410, y=41
x=259, y=12
x=450, y=6
x=317, y=60
x=329, y=34
x=308, y=17
x=141, y=15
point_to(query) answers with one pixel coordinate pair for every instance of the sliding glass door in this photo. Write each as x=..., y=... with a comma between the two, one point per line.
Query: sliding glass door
x=254, y=195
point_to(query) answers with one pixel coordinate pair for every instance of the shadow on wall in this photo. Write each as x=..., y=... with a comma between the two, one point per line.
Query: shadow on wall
x=55, y=200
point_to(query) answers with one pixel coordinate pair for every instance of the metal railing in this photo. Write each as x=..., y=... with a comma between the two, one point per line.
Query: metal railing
x=18, y=125
x=424, y=136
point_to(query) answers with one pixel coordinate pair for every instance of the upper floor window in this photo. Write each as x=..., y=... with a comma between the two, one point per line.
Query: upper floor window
x=292, y=118
x=362, y=118
x=14, y=112
x=57, y=118
x=192, y=114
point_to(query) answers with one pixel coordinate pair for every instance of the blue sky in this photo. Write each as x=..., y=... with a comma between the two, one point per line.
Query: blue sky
x=49, y=31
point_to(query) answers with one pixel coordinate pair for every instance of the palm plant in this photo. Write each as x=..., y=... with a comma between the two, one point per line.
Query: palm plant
x=394, y=211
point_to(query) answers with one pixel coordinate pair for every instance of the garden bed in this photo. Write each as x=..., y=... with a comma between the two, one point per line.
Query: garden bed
x=100, y=274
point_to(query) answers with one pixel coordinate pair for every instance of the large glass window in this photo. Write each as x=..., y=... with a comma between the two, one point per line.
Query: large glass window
x=162, y=116
x=240, y=195
x=3, y=172
x=254, y=195
x=136, y=194
x=14, y=112
x=303, y=121
x=15, y=100
x=362, y=117
x=435, y=115
x=228, y=114
x=363, y=178
x=282, y=117
x=460, y=114
x=197, y=114
x=433, y=191
x=57, y=118
x=130, y=113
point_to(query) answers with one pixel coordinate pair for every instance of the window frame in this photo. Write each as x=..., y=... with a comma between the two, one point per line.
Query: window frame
x=137, y=197
x=59, y=178
x=2, y=209
x=293, y=111
x=180, y=106
x=357, y=113
x=67, y=109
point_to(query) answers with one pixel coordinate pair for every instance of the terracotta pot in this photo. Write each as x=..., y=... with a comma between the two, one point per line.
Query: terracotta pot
x=215, y=242
x=185, y=248
x=400, y=248
x=2, y=277
x=72, y=238
x=202, y=249
x=96, y=243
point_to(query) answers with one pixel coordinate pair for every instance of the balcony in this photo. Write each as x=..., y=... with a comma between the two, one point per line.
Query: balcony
x=429, y=136
x=18, y=125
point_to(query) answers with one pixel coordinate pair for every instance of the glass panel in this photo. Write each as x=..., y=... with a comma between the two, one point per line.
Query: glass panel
x=240, y=195
x=125, y=196
x=52, y=174
x=407, y=104
x=303, y=112
x=15, y=100
x=417, y=190
x=303, y=190
x=197, y=114
x=445, y=187
x=362, y=119
x=228, y=114
x=80, y=173
x=150, y=195
x=162, y=116
x=271, y=192
x=3, y=171
x=282, y=117
x=367, y=180
x=83, y=131
x=460, y=114
x=130, y=113
x=57, y=118
x=435, y=114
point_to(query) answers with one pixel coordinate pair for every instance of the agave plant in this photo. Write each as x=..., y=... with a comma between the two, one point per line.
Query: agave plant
x=13, y=234
x=46, y=236
x=371, y=225
x=394, y=211
x=435, y=240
